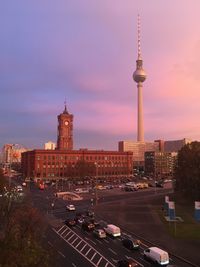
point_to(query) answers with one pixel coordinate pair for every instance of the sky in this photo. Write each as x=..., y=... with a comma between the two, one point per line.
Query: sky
x=85, y=51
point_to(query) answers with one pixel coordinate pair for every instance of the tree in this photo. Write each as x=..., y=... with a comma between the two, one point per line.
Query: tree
x=187, y=172
x=3, y=181
x=21, y=229
x=20, y=245
x=85, y=168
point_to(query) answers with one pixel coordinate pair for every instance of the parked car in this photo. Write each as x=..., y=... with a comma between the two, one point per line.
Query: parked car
x=99, y=233
x=70, y=207
x=159, y=183
x=70, y=222
x=88, y=226
x=19, y=188
x=128, y=189
x=109, y=186
x=131, y=244
x=127, y=263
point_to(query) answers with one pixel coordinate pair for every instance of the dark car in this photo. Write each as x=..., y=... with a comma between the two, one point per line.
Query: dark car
x=80, y=214
x=100, y=233
x=96, y=224
x=90, y=213
x=127, y=263
x=70, y=222
x=131, y=244
x=88, y=226
x=159, y=183
x=79, y=219
x=128, y=189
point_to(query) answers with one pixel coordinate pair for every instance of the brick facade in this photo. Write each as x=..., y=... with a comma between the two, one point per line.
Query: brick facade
x=74, y=164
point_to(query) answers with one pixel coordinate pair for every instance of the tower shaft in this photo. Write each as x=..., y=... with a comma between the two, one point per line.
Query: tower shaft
x=140, y=122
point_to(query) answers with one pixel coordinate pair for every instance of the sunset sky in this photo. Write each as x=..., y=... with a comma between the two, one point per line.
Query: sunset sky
x=85, y=51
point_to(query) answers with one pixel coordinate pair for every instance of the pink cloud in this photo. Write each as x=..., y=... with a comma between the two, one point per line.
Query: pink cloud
x=106, y=115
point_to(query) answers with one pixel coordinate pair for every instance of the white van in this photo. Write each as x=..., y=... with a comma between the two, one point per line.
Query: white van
x=157, y=255
x=113, y=230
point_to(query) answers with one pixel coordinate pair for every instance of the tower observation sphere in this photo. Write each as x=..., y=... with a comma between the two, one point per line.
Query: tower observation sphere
x=139, y=75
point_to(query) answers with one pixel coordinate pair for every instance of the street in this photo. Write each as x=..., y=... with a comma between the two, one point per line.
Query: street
x=75, y=246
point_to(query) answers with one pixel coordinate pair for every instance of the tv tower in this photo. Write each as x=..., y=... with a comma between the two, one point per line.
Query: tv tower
x=139, y=76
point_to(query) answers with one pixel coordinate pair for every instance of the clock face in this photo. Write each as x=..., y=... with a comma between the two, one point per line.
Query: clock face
x=66, y=122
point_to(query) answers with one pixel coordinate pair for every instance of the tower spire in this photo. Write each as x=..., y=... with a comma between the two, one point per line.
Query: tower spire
x=65, y=109
x=139, y=36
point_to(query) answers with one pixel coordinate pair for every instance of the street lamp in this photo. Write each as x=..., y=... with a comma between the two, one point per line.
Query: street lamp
x=96, y=197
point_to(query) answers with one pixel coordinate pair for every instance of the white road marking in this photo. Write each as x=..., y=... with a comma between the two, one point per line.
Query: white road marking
x=73, y=264
x=74, y=240
x=79, y=251
x=99, y=241
x=67, y=234
x=63, y=231
x=71, y=236
x=115, y=261
x=88, y=252
x=88, y=239
x=93, y=256
x=61, y=254
x=78, y=244
x=50, y=243
x=112, y=251
x=93, y=242
x=83, y=247
x=99, y=261
x=61, y=228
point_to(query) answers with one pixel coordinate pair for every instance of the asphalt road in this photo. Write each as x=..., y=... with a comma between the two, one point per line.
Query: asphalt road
x=129, y=210
x=74, y=247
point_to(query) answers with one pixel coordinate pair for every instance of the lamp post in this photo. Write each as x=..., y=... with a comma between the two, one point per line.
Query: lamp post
x=96, y=196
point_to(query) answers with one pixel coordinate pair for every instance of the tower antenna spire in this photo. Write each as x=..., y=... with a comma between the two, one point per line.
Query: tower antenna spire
x=139, y=36
x=65, y=104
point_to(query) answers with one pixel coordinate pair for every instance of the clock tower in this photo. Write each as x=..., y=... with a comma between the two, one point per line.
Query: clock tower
x=65, y=131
